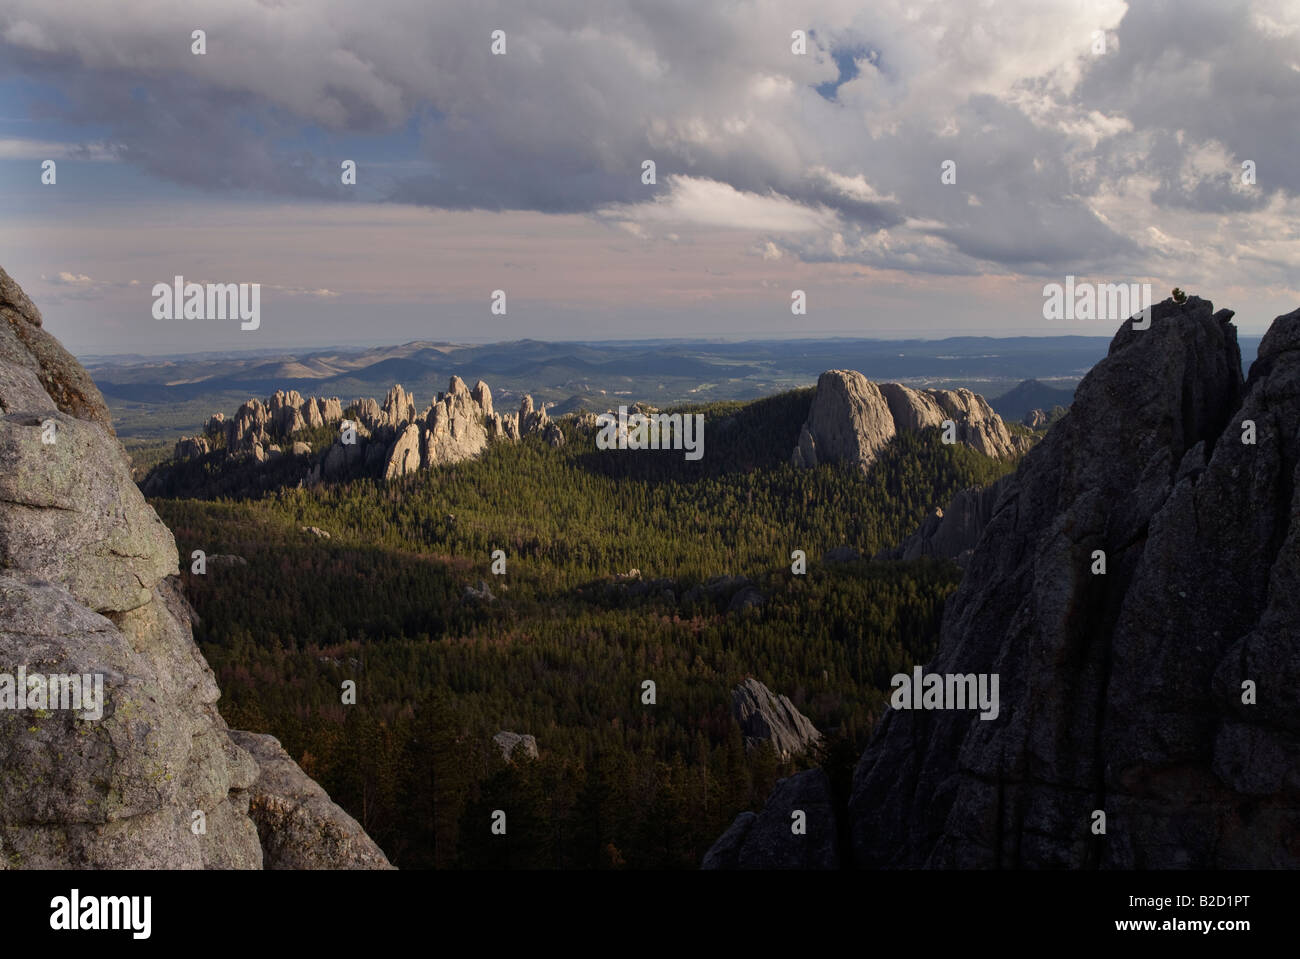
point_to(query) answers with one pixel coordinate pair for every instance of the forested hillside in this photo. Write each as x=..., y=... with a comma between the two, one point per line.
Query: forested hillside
x=621, y=567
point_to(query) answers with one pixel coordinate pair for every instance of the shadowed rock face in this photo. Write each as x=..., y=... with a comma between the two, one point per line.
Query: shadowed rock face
x=951, y=533
x=768, y=840
x=1164, y=691
x=85, y=589
x=1122, y=692
x=26, y=345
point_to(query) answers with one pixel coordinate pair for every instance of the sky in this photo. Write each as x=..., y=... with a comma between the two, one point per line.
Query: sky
x=1100, y=140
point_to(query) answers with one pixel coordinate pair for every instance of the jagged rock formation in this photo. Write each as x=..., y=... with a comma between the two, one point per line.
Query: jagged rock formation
x=766, y=717
x=404, y=457
x=26, y=345
x=510, y=742
x=1123, y=691
x=455, y=424
x=388, y=439
x=951, y=533
x=1035, y=419
x=190, y=447
x=852, y=419
x=1164, y=691
x=768, y=841
x=298, y=826
x=84, y=589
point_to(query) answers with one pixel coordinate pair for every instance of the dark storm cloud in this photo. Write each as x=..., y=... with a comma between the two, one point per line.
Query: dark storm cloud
x=1041, y=130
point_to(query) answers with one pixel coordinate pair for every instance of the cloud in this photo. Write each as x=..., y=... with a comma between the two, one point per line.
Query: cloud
x=17, y=148
x=831, y=156
x=692, y=201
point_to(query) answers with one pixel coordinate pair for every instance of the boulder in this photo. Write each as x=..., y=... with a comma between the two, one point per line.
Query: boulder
x=766, y=717
x=769, y=841
x=478, y=594
x=512, y=742
x=299, y=827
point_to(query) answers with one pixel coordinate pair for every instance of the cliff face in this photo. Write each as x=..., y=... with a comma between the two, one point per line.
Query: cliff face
x=952, y=532
x=1135, y=592
x=1122, y=691
x=852, y=419
x=156, y=780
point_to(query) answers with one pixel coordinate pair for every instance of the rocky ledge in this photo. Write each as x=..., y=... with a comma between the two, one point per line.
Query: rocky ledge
x=157, y=780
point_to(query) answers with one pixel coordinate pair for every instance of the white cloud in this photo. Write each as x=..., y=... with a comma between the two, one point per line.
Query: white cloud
x=707, y=203
x=17, y=148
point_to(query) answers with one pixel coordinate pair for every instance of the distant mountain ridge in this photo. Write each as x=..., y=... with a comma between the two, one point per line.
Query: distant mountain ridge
x=1029, y=396
x=167, y=398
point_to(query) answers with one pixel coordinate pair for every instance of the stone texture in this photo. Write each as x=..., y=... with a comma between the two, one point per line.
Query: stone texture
x=455, y=427
x=117, y=792
x=766, y=717
x=512, y=742
x=852, y=419
x=398, y=407
x=1122, y=691
x=299, y=827
x=191, y=447
x=849, y=421
x=70, y=513
x=404, y=457
x=87, y=587
x=725, y=853
x=953, y=532
x=482, y=396
x=767, y=840
x=24, y=343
